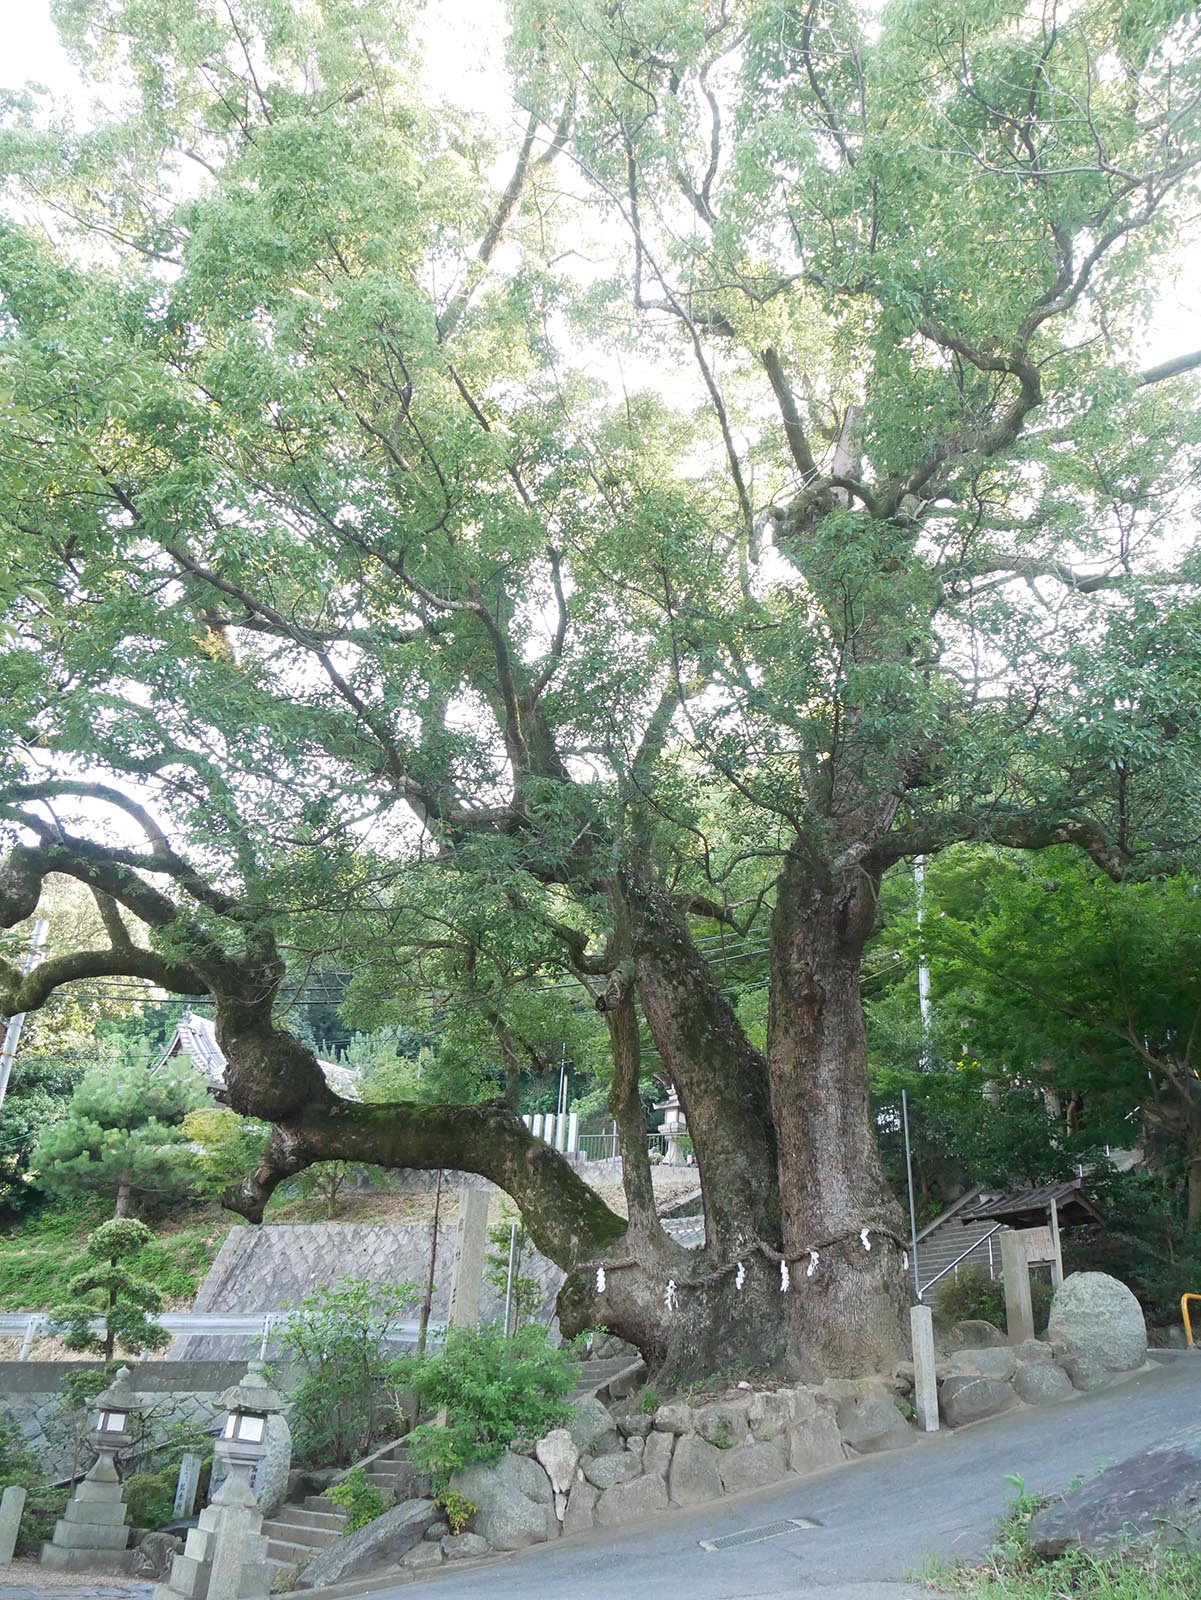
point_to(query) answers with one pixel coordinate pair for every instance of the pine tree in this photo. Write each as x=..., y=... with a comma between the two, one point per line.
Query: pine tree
x=122, y=1136
x=106, y=1286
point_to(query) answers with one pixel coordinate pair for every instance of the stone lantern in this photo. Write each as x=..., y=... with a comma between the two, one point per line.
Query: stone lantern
x=225, y=1557
x=673, y=1128
x=91, y=1535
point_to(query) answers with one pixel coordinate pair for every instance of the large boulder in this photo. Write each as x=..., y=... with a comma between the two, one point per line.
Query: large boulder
x=693, y=1477
x=724, y=1423
x=1041, y=1383
x=872, y=1423
x=814, y=1442
x=591, y=1427
x=380, y=1543
x=605, y=1471
x=630, y=1502
x=1153, y=1497
x=986, y=1362
x=753, y=1466
x=965, y=1399
x=976, y=1335
x=514, y=1499
x=581, y=1507
x=559, y=1458
x=656, y=1454
x=1099, y=1321
x=153, y=1555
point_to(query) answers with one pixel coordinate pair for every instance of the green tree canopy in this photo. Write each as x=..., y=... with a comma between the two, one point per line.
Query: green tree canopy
x=472, y=580
x=122, y=1135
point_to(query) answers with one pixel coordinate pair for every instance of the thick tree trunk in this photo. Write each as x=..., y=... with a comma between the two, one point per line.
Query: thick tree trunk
x=721, y=1079
x=124, y=1194
x=847, y=1315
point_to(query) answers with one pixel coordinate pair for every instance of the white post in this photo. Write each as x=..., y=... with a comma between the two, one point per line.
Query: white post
x=12, y=1033
x=32, y=1329
x=925, y=1377
x=536, y=1130
x=573, y=1133
x=527, y=1119
x=1057, y=1263
x=561, y=1131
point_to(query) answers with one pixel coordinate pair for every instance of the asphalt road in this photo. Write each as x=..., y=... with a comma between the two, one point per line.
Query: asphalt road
x=880, y=1518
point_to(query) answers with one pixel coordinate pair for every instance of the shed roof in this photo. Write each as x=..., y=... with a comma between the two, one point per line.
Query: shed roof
x=1028, y=1208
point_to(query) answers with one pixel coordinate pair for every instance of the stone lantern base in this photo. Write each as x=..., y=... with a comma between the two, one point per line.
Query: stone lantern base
x=192, y=1569
x=91, y=1535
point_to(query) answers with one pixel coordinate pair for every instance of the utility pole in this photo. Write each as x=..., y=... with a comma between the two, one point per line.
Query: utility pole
x=12, y=1033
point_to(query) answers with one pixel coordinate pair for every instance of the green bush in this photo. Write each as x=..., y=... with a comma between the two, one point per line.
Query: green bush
x=972, y=1296
x=150, y=1498
x=338, y=1339
x=361, y=1500
x=496, y=1391
x=44, y=1503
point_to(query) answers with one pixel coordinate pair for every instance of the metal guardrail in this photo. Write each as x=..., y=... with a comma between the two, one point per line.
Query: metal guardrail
x=29, y=1326
x=939, y=1276
x=1187, y=1319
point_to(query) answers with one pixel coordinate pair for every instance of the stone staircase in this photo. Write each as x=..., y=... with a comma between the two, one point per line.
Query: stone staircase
x=392, y=1472
x=296, y=1532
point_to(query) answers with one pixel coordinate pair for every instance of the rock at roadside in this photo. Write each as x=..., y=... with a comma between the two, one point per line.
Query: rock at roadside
x=1086, y=1374
x=381, y=1542
x=814, y=1443
x=581, y=1507
x=1099, y=1321
x=152, y=1558
x=459, y=1546
x=656, y=1454
x=591, y=1428
x=976, y=1335
x=986, y=1362
x=629, y=1502
x=872, y=1423
x=753, y=1466
x=606, y=1471
x=559, y=1457
x=966, y=1399
x=693, y=1476
x=515, y=1502
x=1042, y=1383
x=1153, y=1497
x=423, y=1556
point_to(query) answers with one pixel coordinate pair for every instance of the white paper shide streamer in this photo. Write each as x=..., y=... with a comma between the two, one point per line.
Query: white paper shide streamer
x=669, y=1296
x=864, y=1240
x=740, y=1277
x=600, y=1280
x=785, y=1279
x=812, y=1267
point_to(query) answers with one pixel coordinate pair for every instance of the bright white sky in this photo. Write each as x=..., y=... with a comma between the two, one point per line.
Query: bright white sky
x=465, y=65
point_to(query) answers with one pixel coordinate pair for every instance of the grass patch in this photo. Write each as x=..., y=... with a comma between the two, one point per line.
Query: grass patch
x=1014, y=1571
x=36, y=1255
x=1162, y=1575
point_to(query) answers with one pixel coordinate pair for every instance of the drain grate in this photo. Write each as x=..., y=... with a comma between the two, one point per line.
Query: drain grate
x=770, y=1530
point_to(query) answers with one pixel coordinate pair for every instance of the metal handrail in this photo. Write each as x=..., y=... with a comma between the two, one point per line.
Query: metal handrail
x=1188, y=1321
x=938, y=1277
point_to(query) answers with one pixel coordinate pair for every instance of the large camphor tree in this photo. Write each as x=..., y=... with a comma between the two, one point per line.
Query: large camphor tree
x=459, y=578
